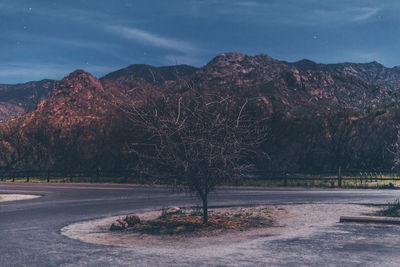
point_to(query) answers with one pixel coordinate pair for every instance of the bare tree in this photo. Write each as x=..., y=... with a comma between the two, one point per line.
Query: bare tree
x=196, y=141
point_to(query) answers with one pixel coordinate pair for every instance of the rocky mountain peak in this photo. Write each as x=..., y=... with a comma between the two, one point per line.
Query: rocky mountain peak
x=77, y=81
x=80, y=76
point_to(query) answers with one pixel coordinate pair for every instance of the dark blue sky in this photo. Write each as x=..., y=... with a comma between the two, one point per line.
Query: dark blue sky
x=50, y=38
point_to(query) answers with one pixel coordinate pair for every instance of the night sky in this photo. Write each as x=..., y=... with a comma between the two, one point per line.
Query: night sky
x=49, y=39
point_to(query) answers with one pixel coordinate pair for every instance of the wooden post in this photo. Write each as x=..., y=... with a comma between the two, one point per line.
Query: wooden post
x=285, y=183
x=339, y=177
x=13, y=177
x=48, y=176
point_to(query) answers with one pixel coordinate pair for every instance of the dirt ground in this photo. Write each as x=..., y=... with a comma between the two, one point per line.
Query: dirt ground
x=14, y=197
x=288, y=221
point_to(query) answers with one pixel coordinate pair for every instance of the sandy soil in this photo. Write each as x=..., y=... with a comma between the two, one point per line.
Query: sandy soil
x=290, y=221
x=14, y=197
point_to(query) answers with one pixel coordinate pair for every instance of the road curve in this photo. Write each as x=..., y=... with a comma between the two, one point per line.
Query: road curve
x=30, y=230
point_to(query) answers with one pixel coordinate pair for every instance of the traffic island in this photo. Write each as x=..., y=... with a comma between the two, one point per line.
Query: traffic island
x=280, y=222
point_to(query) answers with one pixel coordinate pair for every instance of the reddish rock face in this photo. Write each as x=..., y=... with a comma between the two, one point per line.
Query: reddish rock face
x=77, y=99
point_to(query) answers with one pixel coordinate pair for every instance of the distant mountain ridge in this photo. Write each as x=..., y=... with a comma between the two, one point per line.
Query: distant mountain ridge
x=372, y=72
x=17, y=99
x=151, y=74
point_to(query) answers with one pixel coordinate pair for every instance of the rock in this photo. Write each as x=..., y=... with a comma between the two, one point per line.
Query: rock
x=173, y=210
x=132, y=219
x=119, y=225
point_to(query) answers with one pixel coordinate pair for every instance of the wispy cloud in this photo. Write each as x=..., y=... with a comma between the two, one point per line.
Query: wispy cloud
x=307, y=12
x=342, y=15
x=152, y=39
x=364, y=13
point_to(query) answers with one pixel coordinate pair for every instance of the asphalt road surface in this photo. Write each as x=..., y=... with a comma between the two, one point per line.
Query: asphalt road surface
x=30, y=229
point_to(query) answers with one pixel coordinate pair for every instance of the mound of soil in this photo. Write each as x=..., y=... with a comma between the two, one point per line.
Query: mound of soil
x=190, y=221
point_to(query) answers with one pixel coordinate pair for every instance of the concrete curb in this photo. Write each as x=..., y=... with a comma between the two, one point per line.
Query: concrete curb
x=370, y=219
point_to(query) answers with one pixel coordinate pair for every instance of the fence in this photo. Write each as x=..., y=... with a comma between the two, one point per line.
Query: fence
x=358, y=177
x=48, y=176
x=362, y=177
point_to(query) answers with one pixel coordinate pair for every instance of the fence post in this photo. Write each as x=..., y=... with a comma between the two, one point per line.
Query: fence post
x=339, y=178
x=284, y=178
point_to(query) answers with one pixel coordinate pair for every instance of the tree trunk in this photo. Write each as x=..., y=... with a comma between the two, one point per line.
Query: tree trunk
x=205, y=210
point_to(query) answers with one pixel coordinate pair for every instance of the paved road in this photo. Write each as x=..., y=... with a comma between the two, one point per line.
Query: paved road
x=30, y=230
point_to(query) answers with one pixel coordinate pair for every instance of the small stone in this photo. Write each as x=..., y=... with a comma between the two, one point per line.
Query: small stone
x=173, y=210
x=132, y=219
x=119, y=225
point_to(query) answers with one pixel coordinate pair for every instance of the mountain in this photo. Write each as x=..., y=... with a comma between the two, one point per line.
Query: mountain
x=318, y=116
x=151, y=74
x=16, y=99
x=77, y=99
x=72, y=128
x=286, y=89
x=21, y=98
